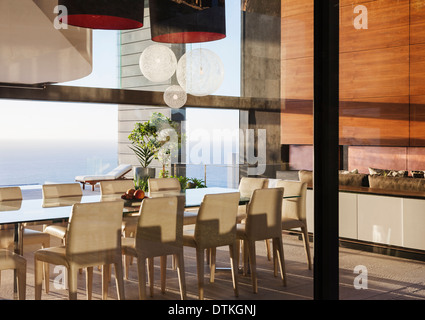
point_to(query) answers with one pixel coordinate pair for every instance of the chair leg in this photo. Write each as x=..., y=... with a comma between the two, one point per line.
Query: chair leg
x=89, y=282
x=151, y=276
x=179, y=260
x=22, y=281
x=38, y=277
x=213, y=253
x=267, y=242
x=141, y=271
x=72, y=282
x=245, y=257
x=127, y=260
x=200, y=271
x=277, y=242
x=46, y=269
x=163, y=272
x=234, y=251
x=307, y=246
x=105, y=280
x=119, y=279
x=252, y=263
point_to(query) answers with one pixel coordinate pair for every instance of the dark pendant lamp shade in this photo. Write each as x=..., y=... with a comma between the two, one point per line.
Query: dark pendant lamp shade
x=187, y=21
x=105, y=14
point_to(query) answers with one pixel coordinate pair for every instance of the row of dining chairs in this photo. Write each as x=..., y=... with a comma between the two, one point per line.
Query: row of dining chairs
x=216, y=225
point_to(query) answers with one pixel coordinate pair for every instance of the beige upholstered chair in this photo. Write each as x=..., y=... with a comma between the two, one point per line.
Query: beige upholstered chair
x=159, y=233
x=164, y=184
x=11, y=260
x=129, y=223
x=29, y=236
x=115, y=186
x=93, y=238
x=294, y=211
x=248, y=185
x=246, y=188
x=60, y=190
x=263, y=222
x=215, y=227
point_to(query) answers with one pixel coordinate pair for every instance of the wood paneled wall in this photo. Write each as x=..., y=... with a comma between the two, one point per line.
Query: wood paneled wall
x=382, y=73
x=382, y=81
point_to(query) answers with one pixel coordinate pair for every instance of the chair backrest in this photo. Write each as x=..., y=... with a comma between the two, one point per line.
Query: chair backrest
x=10, y=193
x=58, y=190
x=160, y=226
x=164, y=184
x=115, y=186
x=264, y=214
x=248, y=185
x=216, y=220
x=94, y=231
x=10, y=199
x=294, y=208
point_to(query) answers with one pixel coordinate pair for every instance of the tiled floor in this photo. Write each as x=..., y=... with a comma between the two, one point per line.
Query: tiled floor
x=387, y=278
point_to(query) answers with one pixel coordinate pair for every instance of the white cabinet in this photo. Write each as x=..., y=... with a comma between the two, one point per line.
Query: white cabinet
x=348, y=215
x=380, y=219
x=414, y=223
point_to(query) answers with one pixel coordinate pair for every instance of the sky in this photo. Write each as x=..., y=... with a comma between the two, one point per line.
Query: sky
x=38, y=120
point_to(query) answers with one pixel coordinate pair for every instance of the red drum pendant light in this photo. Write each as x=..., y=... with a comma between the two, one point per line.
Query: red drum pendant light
x=104, y=14
x=187, y=21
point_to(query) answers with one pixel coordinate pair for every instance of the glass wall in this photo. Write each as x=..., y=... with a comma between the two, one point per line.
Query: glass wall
x=259, y=122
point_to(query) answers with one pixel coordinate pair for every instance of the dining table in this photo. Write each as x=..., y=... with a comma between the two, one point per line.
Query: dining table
x=18, y=212
x=38, y=211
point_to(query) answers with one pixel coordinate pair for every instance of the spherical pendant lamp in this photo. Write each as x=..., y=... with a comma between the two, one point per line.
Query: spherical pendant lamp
x=104, y=14
x=175, y=97
x=200, y=72
x=158, y=63
x=187, y=21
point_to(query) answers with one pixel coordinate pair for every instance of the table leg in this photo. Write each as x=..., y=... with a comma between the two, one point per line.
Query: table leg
x=18, y=249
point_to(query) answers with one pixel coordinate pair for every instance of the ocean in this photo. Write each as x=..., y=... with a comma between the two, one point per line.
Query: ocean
x=25, y=163
x=38, y=162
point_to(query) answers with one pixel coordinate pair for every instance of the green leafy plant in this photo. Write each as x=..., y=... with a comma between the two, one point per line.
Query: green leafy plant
x=190, y=183
x=195, y=183
x=150, y=139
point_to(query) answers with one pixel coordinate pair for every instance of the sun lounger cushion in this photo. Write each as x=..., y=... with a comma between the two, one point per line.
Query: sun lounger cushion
x=111, y=175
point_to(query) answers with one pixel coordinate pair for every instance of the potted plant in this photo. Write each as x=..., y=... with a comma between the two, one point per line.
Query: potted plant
x=149, y=141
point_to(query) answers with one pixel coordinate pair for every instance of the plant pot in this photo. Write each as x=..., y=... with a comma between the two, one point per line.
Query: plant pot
x=141, y=173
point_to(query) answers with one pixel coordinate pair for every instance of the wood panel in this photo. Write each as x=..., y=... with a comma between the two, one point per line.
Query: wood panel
x=381, y=69
x=417, y=21
x=372, y=121
x=297, y=79
x=297, y=122
x=361, y=158
x=297, y=36
x=417, y=69
x=415, y=159
x=301, y=157
x=417, y=121
x=388, y=26
x=374, y=73
x=296, y=7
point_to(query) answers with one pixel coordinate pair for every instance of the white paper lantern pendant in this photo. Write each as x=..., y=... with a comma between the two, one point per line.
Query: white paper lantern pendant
x=175, y=97
x=200, y=72
x=158, y=63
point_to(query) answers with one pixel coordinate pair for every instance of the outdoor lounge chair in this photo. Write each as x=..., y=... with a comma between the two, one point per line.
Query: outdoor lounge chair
x=118, y=173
